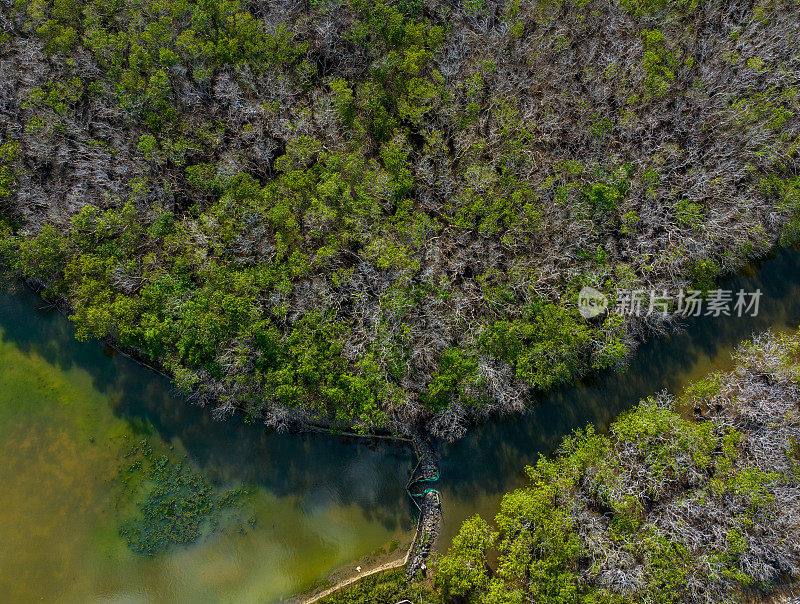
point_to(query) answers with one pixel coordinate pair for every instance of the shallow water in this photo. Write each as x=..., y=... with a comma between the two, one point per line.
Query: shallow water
x=69, y=412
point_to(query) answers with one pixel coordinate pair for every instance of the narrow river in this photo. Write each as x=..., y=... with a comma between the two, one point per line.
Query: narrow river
x=491, y=459
x=71, y=414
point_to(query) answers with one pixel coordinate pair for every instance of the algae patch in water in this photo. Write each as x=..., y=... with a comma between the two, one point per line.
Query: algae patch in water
x=172, y=504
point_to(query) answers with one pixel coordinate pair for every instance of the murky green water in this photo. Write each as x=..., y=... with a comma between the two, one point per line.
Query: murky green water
x=69, y=414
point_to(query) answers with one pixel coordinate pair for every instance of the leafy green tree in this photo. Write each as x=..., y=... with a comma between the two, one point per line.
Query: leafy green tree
x=464, y=573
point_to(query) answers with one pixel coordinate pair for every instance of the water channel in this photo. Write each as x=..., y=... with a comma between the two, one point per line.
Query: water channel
x=72, y=412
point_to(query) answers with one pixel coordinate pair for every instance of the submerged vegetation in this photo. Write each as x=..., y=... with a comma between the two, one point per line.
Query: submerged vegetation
x=378, y=213
x=694, y=499
x=170, y=504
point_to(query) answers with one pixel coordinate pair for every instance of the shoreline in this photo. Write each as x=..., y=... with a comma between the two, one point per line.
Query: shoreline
x=425, y=535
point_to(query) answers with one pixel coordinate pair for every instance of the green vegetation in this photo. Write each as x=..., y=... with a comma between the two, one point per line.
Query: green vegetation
x=373, y=213
x=661, y=509
x=9, y=152
x=170, y=503
x=390, y=586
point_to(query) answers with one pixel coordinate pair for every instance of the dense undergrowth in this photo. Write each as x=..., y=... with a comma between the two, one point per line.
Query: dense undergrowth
x=661, y=509
x=380, y=212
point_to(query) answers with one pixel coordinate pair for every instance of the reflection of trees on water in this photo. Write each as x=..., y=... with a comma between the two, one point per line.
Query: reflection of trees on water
x=323, y=470
x=318, y=469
